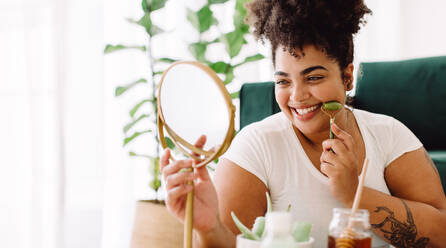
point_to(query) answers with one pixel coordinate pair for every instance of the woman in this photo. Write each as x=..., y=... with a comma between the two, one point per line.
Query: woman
x=290, y=156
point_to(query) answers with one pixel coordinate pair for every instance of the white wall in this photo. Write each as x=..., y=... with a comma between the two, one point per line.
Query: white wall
x=423, y=31
x=402, y=29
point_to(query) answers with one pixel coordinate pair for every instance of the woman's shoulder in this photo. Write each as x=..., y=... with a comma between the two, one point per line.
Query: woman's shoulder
x=374, y=120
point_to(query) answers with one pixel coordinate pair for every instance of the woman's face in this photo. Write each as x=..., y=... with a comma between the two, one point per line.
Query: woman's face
x=303, y=84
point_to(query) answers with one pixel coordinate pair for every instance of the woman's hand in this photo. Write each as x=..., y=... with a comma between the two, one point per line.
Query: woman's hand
x=340, y=164
x=205, y=196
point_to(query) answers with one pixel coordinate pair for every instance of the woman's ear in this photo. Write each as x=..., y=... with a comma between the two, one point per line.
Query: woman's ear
x=348, y=77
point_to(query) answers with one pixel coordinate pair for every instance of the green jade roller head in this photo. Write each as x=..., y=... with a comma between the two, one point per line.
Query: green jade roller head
x=331, y=108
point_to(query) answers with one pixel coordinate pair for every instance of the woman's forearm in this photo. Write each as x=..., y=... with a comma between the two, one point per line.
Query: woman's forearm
x=220, y=236
x=404, y=223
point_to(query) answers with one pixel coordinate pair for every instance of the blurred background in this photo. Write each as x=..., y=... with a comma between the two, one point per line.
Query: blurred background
x=65, y=178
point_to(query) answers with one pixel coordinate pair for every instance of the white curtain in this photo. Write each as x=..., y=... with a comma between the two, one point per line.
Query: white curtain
x=52, y=119
x=65, y=180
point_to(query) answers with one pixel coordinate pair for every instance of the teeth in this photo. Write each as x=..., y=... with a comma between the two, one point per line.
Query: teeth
x=306, y=110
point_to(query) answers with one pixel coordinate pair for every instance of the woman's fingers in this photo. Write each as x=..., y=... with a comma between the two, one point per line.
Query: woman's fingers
x=335, y=145
x=327, y=169
x=178, y=192
x=200, y=141
x=164, y=160
x=345, y=137
x=175, y=166
x=328, y=156
x=176, y=179
x=336, y=153
x=203, y=173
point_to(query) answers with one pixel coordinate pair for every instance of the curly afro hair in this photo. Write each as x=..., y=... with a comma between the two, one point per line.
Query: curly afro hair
x=326, y=24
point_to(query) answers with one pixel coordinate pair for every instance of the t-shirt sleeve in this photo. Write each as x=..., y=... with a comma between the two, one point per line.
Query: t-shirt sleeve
x=402, y=140
x=248, y=151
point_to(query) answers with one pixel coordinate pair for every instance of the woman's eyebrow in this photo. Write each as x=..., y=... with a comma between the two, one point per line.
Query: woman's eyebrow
x=281, y=73
x=303, y=72
x=312, y=68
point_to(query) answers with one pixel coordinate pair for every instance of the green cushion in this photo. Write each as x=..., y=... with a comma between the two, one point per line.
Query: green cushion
x=257, y=101
x=439, y=158
x=412, y=91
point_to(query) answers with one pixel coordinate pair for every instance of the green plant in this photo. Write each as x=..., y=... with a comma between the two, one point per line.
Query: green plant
x=300, y=230
x=202, y=20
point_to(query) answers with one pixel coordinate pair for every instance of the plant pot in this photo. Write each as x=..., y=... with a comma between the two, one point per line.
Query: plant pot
x=155, y=227
x=248, y=243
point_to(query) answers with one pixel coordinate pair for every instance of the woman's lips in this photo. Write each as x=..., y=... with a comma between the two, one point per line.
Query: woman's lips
x=306, y=116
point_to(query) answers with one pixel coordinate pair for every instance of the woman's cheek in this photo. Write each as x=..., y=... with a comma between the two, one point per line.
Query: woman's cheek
x=281, y=98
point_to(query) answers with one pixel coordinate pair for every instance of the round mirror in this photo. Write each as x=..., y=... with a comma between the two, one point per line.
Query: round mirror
x=192, y=101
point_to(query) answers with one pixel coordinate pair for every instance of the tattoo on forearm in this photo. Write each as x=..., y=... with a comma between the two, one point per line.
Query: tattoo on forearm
x=401, y=234
x=429, y=159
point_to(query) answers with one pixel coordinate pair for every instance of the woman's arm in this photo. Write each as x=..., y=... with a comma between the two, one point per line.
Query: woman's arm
x=238, y=191
x=415, y=214
x=219, y=236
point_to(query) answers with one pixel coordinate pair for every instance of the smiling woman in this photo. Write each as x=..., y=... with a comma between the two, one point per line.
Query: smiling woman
x=290, y=156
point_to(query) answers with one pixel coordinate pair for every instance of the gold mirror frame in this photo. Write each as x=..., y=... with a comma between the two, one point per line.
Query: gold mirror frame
x=179, y=142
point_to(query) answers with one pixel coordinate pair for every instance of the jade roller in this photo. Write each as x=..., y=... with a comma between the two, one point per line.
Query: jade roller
x=331, y=108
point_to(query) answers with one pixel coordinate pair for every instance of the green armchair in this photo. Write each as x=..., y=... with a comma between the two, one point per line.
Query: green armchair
x=412, y=91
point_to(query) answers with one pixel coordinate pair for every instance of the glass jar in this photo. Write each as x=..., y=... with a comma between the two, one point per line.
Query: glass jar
x=359, y=236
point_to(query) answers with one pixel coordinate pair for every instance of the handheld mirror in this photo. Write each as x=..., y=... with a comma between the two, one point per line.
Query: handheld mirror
x=192, y=100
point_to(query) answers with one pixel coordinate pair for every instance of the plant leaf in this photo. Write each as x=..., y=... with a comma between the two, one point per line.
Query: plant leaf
x=216, y=1
x=219, y=67
x=205, y=18
x=146, y=22
x=145, y=6
x=156, y=4
x=239, y=15
x=134, y=135
x=198, y=50
x=131, y=124
x=233, y=42
x=229, y=76
x=154, y=30
x=235, y=95
x=166, y=60
x=155, y=171
x=201, y=20
x=113, y=48
x=155, y=184
x=121, y=89
x=245, y=231
x=253, y=58
x=169, y=143
x=259, y=226
x=137, y=106
x=134, y=154
x=269, y=204
x=192, y=17
x=301, y=231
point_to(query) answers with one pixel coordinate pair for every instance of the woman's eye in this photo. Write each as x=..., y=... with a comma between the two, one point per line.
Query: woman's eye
x=314, y=78
x=281, y=82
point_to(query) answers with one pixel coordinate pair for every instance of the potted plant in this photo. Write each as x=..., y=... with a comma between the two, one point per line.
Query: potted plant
x=252, y=238
x=152, y=212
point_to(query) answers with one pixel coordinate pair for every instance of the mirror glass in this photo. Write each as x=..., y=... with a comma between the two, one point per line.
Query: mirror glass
x=192, y=104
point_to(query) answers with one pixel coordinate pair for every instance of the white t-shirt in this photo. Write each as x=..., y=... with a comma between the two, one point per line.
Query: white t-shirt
x=271, y=151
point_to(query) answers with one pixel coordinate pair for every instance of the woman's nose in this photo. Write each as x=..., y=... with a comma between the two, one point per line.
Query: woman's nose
x=299, y=92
